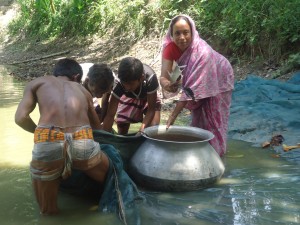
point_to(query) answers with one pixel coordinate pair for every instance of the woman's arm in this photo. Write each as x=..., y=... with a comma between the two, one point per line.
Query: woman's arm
x=178, y=108
x=165, y=79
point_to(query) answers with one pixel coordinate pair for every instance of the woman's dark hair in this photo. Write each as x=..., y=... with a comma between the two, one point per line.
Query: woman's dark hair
x=175, y=20
x=130, y=69
x=67, y=67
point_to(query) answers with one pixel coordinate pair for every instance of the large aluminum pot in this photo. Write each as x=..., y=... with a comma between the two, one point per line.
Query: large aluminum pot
x=177, y=159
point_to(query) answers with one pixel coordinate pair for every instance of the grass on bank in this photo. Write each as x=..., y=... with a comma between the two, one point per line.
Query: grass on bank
x=255, y=29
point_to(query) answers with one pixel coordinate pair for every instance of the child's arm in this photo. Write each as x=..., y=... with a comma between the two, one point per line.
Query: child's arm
x=151, y=100
x=110, y=115
x=104, y=105
x=25, y=107
x=92, y=114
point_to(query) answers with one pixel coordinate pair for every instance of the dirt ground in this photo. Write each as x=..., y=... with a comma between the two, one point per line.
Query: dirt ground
x=29, y=58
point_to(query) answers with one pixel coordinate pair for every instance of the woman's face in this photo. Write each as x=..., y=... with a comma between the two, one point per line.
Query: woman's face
x=182, y=34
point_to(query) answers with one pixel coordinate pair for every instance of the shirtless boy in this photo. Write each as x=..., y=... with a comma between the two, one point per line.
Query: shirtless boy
x=99, y=81
x=63, y=137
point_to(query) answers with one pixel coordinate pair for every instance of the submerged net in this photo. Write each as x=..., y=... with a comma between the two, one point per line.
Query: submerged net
x=126, y=145
x=120, y=193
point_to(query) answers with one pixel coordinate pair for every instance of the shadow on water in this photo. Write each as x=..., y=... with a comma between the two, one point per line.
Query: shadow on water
x=255, y=188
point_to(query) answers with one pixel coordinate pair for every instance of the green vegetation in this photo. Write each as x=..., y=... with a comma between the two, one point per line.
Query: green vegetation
x=69, y=18
x=265, y=29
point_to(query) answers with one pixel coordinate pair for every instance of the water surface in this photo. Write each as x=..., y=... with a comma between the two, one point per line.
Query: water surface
x=256, y=188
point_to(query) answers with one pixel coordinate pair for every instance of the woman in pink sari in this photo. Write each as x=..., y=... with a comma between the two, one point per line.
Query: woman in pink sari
x=207, y=79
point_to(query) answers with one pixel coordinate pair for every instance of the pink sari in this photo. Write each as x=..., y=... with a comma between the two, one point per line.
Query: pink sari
x=209, y=76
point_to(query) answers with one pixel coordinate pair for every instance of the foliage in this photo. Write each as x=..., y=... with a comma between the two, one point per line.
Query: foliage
x=289, y=65
x=260, y=27
x=257, y=28
x=84, y=17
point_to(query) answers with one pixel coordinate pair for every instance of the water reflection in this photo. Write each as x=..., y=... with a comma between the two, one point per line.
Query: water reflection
x=255, y=189
x=15, y=143
x=10, y=89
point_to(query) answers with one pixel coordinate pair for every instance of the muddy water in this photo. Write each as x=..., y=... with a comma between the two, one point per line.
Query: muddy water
x=255, y=189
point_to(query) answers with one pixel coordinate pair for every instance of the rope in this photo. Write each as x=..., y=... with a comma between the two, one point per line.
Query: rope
x=122, y=214
x=68, y=149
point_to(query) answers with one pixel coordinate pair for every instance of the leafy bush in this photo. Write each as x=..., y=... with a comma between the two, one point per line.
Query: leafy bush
x=49, y=18
x=255, y=28
x=264, y=28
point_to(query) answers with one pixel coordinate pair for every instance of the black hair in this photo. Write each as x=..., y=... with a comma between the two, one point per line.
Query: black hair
x=176, y=19
x=130, y=69
x=67, y=67
x=101, y=76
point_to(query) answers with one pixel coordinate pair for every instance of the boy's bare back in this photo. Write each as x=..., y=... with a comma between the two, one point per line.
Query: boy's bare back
x=62, y=103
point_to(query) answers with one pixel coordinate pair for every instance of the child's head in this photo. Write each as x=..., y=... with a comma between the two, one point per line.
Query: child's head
x=69, y=68
x=130, y=73
x=100, y=79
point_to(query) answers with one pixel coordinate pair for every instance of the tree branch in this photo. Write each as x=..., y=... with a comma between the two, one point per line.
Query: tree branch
x=42, y=57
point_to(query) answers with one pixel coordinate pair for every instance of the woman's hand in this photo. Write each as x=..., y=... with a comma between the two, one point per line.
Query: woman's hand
x=178, y=108
x=139, y=133
x=171, y=87
x=165, y=79
x=170, y=121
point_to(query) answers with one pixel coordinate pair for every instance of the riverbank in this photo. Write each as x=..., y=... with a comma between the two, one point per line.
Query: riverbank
x=31, y=57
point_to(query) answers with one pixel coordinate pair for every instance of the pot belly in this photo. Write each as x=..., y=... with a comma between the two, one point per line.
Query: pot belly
x=175, y=166
x=158, y=184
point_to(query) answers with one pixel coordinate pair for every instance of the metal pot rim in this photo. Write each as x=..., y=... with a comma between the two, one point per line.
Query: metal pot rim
x=193, y=131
